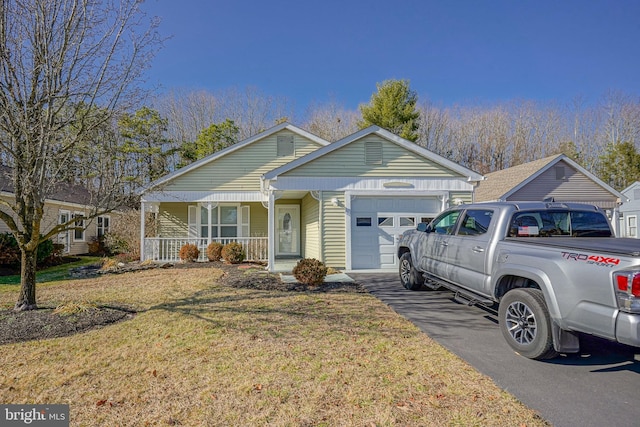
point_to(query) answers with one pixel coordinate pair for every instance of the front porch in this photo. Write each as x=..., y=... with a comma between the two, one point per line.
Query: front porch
x=167, y=249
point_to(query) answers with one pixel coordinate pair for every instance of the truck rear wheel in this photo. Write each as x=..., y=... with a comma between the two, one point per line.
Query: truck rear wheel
x=525, y=323
x=409, y=277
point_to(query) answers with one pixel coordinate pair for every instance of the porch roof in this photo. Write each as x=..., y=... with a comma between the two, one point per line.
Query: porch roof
x=203, y=196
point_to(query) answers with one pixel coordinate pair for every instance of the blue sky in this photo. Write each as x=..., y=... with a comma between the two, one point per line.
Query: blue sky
x=453, y=52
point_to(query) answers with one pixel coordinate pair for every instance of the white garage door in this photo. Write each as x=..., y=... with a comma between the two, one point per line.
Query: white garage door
x=378, y=222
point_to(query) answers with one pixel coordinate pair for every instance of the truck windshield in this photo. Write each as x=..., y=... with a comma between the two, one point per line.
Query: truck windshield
x=545, y=223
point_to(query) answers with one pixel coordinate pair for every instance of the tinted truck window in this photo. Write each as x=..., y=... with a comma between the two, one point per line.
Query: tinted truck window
x=559, y=223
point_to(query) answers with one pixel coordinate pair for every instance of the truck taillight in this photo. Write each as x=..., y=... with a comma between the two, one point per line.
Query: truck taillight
x=627, y=285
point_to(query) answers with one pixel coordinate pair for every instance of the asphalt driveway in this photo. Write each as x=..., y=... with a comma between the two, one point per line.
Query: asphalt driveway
x=600, y=386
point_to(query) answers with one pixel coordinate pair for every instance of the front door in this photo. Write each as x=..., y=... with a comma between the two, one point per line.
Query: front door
x=288, y=230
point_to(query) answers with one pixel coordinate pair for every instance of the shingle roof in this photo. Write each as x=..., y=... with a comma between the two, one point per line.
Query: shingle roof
x=497, y=184
x=63, y=192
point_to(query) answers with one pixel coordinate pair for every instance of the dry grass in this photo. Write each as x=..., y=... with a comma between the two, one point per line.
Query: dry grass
x=206, y=354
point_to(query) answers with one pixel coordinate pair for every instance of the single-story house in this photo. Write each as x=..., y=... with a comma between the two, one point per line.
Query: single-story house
x=286, y=194
x=555, y=177
x=630, y=211
x=63, y=205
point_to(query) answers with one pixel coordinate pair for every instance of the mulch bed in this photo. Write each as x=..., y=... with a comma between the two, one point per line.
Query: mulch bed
x=44, y=323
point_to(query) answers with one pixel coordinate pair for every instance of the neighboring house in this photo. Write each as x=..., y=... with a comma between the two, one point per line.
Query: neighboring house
x=630, y=211
x=64, y=204
x=287, y=194
x=556, y=177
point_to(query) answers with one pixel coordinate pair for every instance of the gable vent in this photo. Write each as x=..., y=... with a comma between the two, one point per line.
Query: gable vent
x=285, y=145
x=373, y=153
x=636, y=194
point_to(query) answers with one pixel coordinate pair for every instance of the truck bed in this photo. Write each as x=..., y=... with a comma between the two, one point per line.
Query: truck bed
x=615, y=245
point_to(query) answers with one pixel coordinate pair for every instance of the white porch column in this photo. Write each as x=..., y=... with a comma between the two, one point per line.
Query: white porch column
x=142, y=216
x=271, y=231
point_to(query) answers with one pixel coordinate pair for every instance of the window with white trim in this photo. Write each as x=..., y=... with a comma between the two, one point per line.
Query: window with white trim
x=632, y=225
x=103, y=224
x=78, y=232
x=224, y=220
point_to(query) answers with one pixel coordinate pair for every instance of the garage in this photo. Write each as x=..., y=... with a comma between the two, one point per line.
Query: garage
x=378, y=222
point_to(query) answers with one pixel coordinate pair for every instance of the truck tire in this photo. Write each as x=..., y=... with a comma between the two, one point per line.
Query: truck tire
x=409, y=277
x=525, y=323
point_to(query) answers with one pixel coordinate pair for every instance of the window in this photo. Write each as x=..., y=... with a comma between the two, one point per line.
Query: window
x=407, y=221
x=78, y=232
x=363, y=222
x=475, y=222
x=373, y=153
x=385, y=221
x=285, y=145
x=445, y=223
x=632, y=227
x=559, y=223
x=225, y=221
x=103, y=223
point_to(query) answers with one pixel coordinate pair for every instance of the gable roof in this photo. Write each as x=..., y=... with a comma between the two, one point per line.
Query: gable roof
x=502, y=184
x=235, y=147
x=423, y=152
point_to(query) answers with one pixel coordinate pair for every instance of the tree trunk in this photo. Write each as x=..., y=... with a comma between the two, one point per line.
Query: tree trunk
x=27, y=299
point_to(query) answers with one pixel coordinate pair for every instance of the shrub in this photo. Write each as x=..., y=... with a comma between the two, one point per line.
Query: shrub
x=58, y=250
x=233, y=253
x=10, y=252
x=189, y=252
x=214, y=251
x=309, y=271
x=97, y=247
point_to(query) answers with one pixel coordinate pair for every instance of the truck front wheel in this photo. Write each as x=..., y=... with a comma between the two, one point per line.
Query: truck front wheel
x=409, y=277
x=525, y=323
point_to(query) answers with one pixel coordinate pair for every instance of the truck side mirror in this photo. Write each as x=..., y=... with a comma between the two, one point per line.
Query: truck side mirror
x=423, y=226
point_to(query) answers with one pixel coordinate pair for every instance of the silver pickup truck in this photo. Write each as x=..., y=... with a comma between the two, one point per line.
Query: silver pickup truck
x=554, y=269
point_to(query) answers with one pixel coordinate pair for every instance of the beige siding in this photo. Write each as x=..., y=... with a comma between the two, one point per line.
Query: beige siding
x=333, y=230
x=173, y=220
x=241, y=170
x=310, y=222
x=50, y=220
x=576, y=187
x=259, y=220
x=349, y=161
x=465, y=196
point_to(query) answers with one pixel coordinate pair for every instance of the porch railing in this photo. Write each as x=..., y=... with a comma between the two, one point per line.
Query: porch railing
x=167, y=249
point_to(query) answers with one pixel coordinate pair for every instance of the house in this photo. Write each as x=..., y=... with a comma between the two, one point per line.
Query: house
x=286, y=194
x=556, y=177
x=630, y=211
x=65, y=203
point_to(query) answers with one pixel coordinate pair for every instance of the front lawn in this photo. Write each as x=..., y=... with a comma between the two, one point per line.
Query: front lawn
x=202, y=352
x=58, y=272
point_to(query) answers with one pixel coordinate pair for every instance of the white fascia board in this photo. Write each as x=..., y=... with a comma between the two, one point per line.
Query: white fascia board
x=573, y=164
x=421, y=151
x=231, y=149
x=203, y=196
x=378, y=184
x=468, y=173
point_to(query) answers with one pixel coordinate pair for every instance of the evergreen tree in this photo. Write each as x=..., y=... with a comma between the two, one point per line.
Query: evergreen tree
x=620, y=165
x=393, y=108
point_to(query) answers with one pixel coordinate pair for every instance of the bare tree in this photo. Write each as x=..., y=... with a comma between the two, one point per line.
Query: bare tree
x=66, y=66
x=331, y=120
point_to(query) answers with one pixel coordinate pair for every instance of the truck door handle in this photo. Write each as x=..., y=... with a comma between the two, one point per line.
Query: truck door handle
x=477, y=249
x=444, y=243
